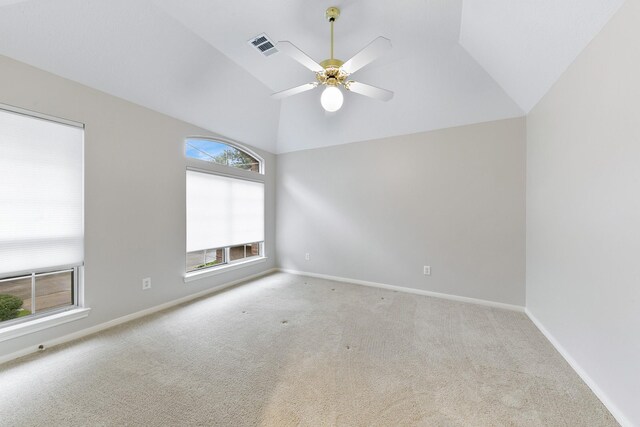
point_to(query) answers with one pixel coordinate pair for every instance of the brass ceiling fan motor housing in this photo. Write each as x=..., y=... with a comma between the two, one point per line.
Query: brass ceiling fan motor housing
x=332, y=75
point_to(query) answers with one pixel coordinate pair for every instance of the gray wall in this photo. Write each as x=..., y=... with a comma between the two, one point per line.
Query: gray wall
x=134, y=198
x=379, y=210
x=583, y=212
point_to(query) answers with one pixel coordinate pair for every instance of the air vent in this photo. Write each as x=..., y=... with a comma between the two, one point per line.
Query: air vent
x=263, y=44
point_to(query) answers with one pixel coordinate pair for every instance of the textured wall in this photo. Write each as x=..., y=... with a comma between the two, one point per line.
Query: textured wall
x=134, y=198
x=583, y=212
x=379, y=210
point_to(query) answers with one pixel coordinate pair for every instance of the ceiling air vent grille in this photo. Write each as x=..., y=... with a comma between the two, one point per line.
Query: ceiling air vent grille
x=263, y=44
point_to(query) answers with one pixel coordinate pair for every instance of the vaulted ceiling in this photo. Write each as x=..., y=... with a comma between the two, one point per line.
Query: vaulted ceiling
x=453, y=62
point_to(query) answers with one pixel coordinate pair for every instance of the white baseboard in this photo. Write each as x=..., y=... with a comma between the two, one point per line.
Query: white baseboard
x=128, y=318
x=600, y=394
x=409, y=290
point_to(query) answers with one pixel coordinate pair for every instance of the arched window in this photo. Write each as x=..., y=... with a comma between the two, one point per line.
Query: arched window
x=222, y=153
x=225, y=206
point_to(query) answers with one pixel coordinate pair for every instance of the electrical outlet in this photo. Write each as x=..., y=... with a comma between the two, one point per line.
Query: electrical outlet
x=307, y=257
x=146, y=283
x=427, y=270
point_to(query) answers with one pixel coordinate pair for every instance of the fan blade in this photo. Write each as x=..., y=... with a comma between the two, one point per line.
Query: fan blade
x=294, y=90
x=368, y=90
x=368, y=54
x=295, y=53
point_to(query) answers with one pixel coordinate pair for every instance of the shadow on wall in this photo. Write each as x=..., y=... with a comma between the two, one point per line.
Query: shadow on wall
x=322, y=215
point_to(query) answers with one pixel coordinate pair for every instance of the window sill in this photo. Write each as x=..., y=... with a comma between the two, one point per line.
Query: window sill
x=46, y=322
x=195, y=275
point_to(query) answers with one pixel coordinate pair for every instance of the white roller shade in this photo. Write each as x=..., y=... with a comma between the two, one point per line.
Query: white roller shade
x=223, y=211
x=41, y=223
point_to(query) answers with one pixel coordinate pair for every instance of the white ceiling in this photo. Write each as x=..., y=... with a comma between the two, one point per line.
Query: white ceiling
x=452, y=63
x=526, y=45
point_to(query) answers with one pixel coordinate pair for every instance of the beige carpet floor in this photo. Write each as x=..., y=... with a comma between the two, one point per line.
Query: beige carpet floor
x=287, y=350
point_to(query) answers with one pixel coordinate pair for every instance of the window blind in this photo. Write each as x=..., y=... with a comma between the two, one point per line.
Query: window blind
x=41, y=194
x=223, y=211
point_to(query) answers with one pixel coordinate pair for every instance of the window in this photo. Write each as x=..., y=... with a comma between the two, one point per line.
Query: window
x=225, y=205
x=41, y=214
x=221, y=153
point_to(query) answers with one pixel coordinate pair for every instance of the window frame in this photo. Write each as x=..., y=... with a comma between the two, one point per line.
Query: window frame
x=204, y=166
x=226, y=256
x=232, y=144
x=58, y=315
x=40, y=314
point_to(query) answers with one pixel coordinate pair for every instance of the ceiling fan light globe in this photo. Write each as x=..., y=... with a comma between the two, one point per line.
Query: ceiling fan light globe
x=331, y=99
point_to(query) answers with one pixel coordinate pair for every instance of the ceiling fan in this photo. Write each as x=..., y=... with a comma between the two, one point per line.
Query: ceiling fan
x=334, y=73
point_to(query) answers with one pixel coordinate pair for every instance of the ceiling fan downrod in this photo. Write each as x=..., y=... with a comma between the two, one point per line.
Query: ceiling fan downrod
x=332, y=14
x=331, y=75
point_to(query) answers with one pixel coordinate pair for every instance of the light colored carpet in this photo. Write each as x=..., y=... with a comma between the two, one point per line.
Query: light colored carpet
x=288, y=350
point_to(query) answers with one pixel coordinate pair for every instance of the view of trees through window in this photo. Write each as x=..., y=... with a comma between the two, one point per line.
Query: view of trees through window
x=221, y=153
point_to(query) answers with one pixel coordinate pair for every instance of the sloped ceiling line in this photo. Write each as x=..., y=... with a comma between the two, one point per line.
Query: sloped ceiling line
x=527, y=45
x=454, y=62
